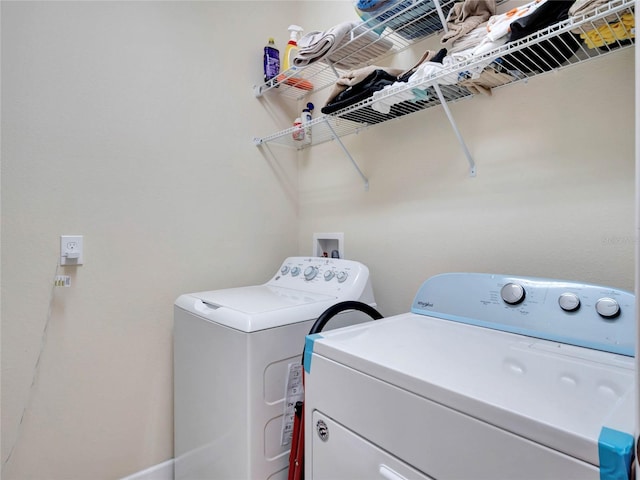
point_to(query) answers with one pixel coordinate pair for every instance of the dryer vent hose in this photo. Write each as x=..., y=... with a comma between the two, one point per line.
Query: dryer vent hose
x=332, y=311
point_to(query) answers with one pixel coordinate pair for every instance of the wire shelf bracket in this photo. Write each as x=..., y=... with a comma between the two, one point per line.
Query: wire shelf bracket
x=336, y=137
x=443, y=102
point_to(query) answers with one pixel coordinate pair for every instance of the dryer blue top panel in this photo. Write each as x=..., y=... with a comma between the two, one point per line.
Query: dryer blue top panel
x=585, y=315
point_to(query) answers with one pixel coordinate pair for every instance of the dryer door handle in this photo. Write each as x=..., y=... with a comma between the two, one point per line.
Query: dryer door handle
x=389, y=474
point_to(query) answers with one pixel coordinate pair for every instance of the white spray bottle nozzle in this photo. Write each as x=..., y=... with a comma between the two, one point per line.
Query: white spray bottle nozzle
x=294, y=31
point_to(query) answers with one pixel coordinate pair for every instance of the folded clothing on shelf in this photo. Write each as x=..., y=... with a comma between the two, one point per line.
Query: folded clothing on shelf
x=428, y=98
x=411, y=86
x=548, y=54
x=346, y=45
x=488, y=79
x=549, y=12
x=587, y=7
x=354, y=77
x=377, y=79
x=469, y=40
x=499, y=26
x=360, y=84
x=611, y=32
x=466, y=16
x=390, y=87
x=475, y=43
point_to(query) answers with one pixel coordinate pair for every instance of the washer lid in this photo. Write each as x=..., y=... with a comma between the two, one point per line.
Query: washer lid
x=256, y=307
x=260, y=298
x=555, y=394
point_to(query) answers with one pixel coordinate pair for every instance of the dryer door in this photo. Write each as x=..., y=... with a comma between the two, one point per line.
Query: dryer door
x=340, y=454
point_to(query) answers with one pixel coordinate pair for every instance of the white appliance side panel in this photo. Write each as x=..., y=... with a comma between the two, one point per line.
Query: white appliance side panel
x=229, y=390
x=210, y=423
x=343, y=455
x=270, y=353
x=434, y=439
x=520, y=384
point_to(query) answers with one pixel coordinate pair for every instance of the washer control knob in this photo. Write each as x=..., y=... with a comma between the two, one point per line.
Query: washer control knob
x=284, y=270
x=342, y=276
x=569, y=302
x=607, y=307
x=512, y=293
x=295, y=271
x=328, y=275
x=310, y=273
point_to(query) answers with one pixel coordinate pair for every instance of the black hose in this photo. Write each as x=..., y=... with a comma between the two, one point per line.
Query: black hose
x=333, y=310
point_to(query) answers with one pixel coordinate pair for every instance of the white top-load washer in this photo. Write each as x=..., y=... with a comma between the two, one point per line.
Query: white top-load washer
x=234, y=350
x=488, y=377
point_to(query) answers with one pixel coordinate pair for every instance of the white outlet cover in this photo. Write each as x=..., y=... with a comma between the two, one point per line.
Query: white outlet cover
x=70, y=246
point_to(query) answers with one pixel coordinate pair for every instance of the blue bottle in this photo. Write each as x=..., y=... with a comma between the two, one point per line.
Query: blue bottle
x=271, y=61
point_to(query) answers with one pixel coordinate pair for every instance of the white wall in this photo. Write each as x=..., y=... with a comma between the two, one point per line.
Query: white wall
x=130, y=123
x=553, y=196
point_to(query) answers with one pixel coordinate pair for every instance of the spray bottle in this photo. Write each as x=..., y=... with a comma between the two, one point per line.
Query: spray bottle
x=292, y=46
x=289, y=76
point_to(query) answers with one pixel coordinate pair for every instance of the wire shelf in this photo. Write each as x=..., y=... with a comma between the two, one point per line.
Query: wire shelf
x=399, y=27
x=567, y=43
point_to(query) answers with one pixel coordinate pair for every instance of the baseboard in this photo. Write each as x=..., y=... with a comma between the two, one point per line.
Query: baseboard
x=162, y=471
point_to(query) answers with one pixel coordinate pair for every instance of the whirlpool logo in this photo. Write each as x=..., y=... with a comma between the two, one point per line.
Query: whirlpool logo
x=424, y=304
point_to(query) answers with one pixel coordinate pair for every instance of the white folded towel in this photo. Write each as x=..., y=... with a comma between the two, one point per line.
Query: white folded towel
x=346, y=45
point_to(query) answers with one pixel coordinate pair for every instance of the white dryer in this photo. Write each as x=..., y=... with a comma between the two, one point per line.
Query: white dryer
x=488, y=377
x=233, y=349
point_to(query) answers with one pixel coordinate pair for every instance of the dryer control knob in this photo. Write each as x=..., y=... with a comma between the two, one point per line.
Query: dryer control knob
x=284, y=270
x=607, y=307
x=569, y=302
x=512, y=293
x=295, y=271
x=342, y=276
x=310, y=273
x=328, y=275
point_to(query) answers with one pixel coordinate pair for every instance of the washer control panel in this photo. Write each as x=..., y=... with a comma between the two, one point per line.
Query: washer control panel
x=587, y=315
x=319, y=274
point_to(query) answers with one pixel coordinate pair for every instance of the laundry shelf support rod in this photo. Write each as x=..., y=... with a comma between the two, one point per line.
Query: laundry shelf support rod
x=441, y=15
x=336, y=137
x=443, y=102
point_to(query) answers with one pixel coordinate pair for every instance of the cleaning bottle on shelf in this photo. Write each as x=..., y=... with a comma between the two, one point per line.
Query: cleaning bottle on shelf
x=271, y=60
x=289, y=76
x=298, y=130
x=292, y=46
x=306, y=119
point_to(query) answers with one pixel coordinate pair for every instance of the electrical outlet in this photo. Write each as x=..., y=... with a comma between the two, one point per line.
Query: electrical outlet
x=71, y=250
x=62, y=281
